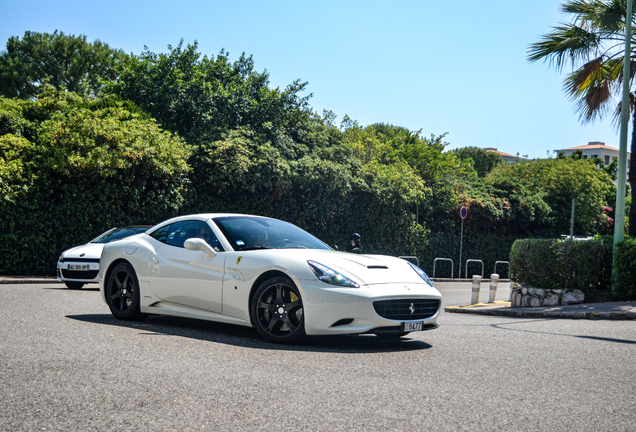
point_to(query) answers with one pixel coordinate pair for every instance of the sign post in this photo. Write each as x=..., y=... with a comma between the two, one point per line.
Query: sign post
x=463, y=212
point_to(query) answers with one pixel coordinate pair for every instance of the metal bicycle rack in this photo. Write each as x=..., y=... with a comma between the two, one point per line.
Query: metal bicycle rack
x=443, y=259
x=500, y=262
x=474, y=260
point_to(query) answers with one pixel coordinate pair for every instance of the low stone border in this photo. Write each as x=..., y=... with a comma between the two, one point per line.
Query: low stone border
x=523, y=297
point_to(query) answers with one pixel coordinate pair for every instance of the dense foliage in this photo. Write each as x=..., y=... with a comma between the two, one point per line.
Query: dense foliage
x=71, y=167
x=179, y=133
x=63, y=61
x=564, y=264
x=626, y=269
x=481, y=161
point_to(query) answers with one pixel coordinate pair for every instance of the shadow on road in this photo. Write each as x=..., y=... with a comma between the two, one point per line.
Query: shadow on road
x=162, y=325
x=604, y=339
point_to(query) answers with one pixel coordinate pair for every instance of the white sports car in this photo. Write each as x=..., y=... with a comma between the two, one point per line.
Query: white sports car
x=265, y=273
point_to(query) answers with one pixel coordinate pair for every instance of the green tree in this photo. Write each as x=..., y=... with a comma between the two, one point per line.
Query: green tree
x=555, y=182
x=481, y=160
x=593, y=45
x=72, y=167
x=65, y=61
x=193, y=95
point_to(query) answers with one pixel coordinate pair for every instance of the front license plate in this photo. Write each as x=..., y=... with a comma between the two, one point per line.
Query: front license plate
x=80, y=267
x=412, y=326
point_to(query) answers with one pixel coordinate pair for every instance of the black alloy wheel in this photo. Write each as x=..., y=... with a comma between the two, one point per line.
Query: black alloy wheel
x=122, y=293
x=74, y=285
x=277, y=311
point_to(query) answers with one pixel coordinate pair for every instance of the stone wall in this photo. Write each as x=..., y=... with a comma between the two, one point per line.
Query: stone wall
x=521, y=296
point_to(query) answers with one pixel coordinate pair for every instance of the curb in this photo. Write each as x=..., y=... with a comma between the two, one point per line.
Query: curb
x=28, y=280
x=505, y=310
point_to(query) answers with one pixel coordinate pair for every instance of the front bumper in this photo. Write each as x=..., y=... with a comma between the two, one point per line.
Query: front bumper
x=335, y=310
x=86, y=276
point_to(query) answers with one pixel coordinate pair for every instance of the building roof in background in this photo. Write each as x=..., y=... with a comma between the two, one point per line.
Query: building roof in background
x=494, y=150
x=592, y=145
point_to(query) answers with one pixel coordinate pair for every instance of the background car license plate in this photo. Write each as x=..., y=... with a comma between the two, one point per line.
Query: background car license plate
x=412, y=326
x=80, y=267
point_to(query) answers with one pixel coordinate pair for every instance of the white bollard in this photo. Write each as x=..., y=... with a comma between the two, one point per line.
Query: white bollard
x=494, y=281
x=476, y=287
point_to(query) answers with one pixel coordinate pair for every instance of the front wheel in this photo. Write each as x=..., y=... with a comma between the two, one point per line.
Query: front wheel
x=277, y=311
x=122, y=293
x=74, y=285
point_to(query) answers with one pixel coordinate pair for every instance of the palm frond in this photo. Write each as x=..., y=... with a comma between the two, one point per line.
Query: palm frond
x=596, y=101
x=567, y=43
x=601, y=15
x=616, y=117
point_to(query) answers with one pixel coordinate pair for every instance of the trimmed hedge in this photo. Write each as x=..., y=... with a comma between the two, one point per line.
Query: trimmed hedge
x=626, y=269
x=584, y=265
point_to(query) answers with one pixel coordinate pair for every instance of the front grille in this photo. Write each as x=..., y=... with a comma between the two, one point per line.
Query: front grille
x=74, y=274
x=81, y=260
x=406, y=309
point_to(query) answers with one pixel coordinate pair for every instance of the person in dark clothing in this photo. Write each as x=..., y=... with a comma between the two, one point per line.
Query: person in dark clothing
x=355, y=246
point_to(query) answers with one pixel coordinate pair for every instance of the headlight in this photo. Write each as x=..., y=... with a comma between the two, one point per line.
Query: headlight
x=61, y=258
x=421, y=272
x=331, y=276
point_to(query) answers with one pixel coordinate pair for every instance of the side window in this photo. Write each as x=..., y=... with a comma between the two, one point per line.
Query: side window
x=161, y=234
x=181, y=231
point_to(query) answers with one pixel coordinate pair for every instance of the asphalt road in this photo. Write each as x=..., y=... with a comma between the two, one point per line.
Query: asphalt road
x=67, y=364
x=460, y=293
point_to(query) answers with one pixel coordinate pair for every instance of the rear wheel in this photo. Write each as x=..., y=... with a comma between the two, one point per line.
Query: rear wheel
x=277, y=311
x=122, y=293
x=74, y=285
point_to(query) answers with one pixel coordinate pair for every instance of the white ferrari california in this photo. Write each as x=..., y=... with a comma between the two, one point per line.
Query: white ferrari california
x=266, y=273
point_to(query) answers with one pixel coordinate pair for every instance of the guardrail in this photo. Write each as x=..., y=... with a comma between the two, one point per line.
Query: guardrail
x=474, y=260
x=444, y=259
x=417, y=261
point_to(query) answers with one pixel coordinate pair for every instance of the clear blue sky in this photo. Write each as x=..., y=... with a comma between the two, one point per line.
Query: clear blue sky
x=443, y=67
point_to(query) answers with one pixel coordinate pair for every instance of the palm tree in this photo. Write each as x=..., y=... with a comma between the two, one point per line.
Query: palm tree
x=593, y=44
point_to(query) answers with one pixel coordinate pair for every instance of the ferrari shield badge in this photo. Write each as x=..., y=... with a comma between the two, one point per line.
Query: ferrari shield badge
x=238, y=260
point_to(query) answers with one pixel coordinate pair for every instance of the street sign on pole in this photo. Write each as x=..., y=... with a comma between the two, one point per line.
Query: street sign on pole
x=463, y=212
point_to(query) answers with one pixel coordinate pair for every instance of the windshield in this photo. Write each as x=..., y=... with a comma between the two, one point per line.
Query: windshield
x=119, y=233
x=253, y=232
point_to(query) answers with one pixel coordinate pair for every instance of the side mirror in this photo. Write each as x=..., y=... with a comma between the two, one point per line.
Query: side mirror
x=200, y=245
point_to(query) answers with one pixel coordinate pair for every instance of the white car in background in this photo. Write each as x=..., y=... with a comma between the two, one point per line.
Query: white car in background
x=264, y=273
x=80, y=265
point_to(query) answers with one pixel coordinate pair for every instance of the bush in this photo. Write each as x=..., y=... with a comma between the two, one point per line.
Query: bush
x=564, y=264
x=87, y=166
x=529, y=263
x=625, y=265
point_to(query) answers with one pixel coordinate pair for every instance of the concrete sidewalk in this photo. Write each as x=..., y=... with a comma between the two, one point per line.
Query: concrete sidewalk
x=606, y=311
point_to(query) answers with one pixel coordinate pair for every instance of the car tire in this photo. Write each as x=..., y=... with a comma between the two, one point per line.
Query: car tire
x=122, y=293
x=74, y=285
x=277, y=311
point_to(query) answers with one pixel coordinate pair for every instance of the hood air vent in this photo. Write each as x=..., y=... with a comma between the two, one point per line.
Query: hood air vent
x=378, y=267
